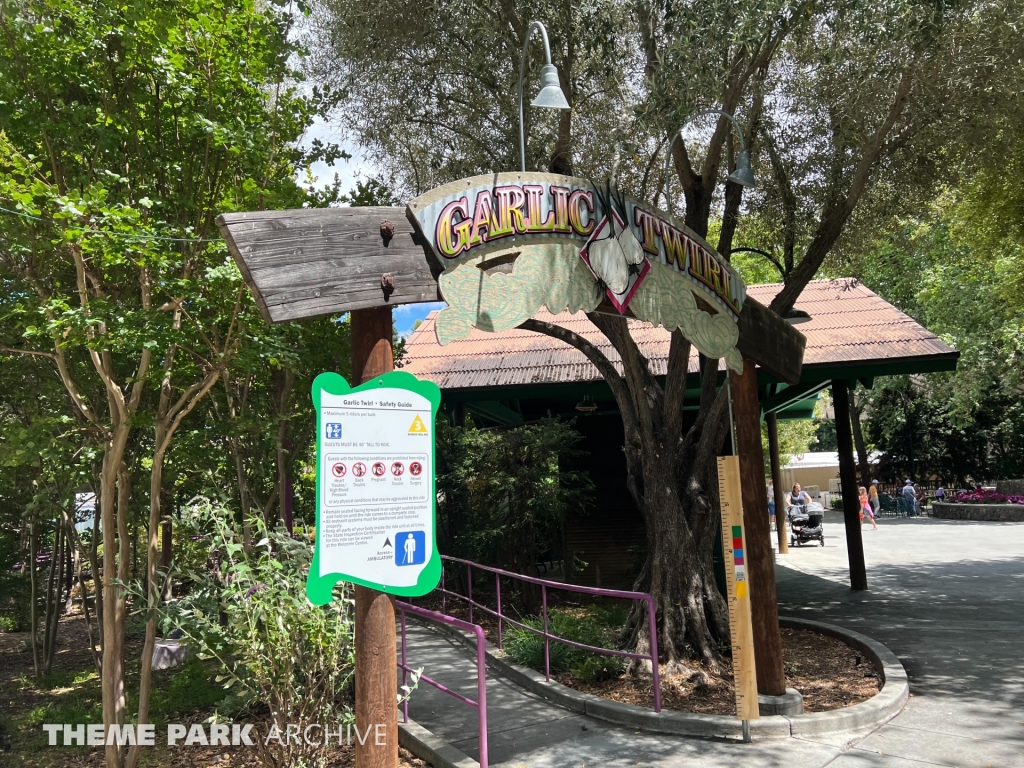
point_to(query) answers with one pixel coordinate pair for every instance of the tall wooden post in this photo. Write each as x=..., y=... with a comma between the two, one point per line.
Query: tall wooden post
x=376, y=673
x=848, y=478
x=771, y=678
x=772, y=422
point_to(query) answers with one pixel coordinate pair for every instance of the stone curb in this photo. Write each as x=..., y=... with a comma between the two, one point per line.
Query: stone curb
x=432, y=748
x=992, y=513
x=877, y=710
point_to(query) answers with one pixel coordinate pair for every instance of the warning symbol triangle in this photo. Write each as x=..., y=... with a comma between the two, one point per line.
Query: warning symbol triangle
x=418, y=426
x=387, y=542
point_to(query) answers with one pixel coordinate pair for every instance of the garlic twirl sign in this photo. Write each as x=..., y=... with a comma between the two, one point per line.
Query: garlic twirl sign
x=375, y=485
x=513, y=242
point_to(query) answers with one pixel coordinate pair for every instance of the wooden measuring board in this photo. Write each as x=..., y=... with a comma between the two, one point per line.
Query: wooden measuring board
x=738, y=587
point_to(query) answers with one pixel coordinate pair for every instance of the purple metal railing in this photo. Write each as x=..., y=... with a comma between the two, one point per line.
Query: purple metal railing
x=480, y=705
x=548, y=637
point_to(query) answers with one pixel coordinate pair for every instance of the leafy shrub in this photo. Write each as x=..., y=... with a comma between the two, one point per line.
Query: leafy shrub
x=595, y=627
x=272, y=647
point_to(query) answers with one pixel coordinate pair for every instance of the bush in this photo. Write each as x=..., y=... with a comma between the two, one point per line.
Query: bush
x=272, y=647
x=592, y=626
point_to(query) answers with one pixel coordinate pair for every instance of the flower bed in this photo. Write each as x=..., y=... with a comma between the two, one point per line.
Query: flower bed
x=985, y=497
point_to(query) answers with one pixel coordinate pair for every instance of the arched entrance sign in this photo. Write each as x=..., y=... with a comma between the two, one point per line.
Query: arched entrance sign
x=511, y=243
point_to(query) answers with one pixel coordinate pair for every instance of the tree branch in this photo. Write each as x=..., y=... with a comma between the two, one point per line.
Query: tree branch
x=835, y=216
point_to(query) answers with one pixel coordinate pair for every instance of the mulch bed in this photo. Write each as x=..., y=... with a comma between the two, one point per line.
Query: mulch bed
x=21, y=749
x=829, y=674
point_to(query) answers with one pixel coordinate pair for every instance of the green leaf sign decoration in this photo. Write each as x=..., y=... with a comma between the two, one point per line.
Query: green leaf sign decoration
x=514, y=242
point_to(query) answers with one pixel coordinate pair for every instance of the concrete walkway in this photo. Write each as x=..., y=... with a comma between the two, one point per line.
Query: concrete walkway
x=947, y=597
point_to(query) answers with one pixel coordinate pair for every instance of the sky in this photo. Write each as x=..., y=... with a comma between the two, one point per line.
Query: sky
x=349, y=171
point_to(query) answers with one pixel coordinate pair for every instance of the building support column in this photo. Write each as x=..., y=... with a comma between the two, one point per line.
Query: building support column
x=772, y=423
x=764, y=608
x=848, y=478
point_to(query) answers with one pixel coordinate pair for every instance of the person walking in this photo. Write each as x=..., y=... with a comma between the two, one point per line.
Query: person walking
x=865, y=507
x=770, y=487
x=874, y=501
x=910, y=498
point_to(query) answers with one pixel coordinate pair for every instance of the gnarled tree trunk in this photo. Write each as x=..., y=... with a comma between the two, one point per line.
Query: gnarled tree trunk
x=670, y=475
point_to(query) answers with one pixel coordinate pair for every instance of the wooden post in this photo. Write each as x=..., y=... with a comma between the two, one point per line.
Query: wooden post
x=771, y=679
x=376, y=671
x=848, y=478
x=772, y=422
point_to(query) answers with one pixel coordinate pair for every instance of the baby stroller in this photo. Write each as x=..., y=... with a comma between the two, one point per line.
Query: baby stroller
x=805, y=524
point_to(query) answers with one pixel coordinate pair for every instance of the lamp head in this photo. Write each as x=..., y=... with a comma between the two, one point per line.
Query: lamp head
x=550, y=95
x=797, y=316
x=744, y=174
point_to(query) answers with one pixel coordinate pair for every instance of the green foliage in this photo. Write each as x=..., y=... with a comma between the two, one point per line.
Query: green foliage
x=924, y=435
x=825, y=435
x=592, y=625
x=795, y=436
x=504, y=495
x=248, y=612
x=186, y=689
x=957, y=282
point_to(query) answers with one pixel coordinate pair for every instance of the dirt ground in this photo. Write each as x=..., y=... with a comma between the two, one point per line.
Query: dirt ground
x=23, y=743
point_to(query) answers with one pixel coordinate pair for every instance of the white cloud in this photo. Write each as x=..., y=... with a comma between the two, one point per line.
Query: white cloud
x=358, y=167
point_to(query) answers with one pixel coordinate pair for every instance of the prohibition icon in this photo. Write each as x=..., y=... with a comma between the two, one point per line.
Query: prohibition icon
x=415, y=469
x=378, y=469
x=338, y=470
x=359, y=469
x=397, y=469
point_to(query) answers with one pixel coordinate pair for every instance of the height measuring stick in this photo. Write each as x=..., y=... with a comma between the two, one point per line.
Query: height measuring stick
x=738, y=588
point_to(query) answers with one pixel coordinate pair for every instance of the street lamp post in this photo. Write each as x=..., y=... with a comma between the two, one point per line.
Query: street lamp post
x=744, y=173
x=550, y=95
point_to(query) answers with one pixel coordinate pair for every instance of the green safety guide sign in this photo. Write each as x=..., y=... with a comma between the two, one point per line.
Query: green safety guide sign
x=375, y=486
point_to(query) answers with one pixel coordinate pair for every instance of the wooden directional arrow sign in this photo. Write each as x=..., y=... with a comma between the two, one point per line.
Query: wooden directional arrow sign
x=322, y=261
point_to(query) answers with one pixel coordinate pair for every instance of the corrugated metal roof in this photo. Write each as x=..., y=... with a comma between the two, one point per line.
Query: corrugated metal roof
x=849, y=324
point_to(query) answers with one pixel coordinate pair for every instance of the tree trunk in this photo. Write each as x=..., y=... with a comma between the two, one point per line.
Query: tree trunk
x=161, y=439
x=243, y=493
x=671, y=478
x=114, y=496
x=858, y=441
x=283, y=454
x=76, y=544
x=53, y=582
x=94, y=565
x=33, y=553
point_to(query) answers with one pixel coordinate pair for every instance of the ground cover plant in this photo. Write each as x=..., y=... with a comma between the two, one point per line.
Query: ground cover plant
x=598, y=626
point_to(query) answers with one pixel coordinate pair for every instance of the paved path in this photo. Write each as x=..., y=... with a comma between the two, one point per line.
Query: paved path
x=947, y=597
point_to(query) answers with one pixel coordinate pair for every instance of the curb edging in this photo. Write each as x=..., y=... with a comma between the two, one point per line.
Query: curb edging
x=428, y=746
x=880, y=708
x=877, y=710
